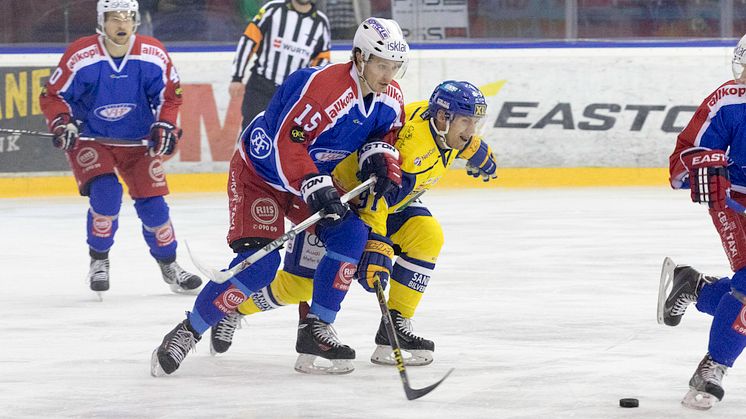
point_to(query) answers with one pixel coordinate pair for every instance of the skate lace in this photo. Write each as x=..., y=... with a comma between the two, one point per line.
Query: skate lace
x=404, y=325
x=679, y=307
x=182, y=342
x=99, y=270
x=712, y=372
x=325, y=333
x=226, y=327
x=176, y=273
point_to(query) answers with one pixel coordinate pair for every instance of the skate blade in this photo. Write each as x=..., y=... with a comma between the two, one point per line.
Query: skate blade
x=699, y=400
x=176, y=289
x=215, y=352
x=155, y=366
x=384, y=355
x=664, y=286
x=99, y=296
x=306, y=364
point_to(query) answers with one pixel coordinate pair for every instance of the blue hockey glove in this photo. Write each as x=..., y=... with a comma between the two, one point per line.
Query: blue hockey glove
x=480, y=160
x=376, y=262
x=319, y=193
x=163, y=138
x=65, y=132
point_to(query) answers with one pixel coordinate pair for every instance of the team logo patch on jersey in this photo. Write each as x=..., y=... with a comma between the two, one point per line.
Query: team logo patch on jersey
x=229, y=300
x=156, y=171
x=260, y=145
x=86, y=156
x=326, y=155
x=265, y=210
x=343, y=279
x=114, y=112
x=740, y=324
x=297, y=135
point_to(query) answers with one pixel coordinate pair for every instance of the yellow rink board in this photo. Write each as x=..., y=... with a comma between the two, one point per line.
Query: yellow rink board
x=456, y=178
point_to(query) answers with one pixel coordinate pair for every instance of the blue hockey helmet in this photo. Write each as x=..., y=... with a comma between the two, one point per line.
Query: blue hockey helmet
x=457, y=98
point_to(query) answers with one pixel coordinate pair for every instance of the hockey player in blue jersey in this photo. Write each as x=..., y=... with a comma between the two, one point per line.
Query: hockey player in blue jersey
x=121, y=85
x=709, y=160
x=282, y=168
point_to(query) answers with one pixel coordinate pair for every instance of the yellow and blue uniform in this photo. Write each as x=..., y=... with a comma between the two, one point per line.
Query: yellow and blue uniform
x=415, y=233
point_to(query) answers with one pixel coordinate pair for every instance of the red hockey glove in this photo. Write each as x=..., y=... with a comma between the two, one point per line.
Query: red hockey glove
x=163, y=138
x=375, y=264
x=380, y=159
x=65, y=132
x=708, y=176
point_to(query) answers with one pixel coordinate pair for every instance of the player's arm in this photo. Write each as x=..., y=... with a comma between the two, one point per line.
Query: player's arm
x=164, y=134
x=480, y=161
x=54, y=101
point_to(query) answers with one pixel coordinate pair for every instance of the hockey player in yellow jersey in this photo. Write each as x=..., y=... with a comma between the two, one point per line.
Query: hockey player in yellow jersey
x=436, y=132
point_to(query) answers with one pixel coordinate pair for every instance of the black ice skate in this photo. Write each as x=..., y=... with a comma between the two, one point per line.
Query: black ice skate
x=98, y=275
x=685, y=284
x=419, y=350
x=180, y=281
x=176, y=344
x=705, y=387
x=221, y=335
x=319, y=339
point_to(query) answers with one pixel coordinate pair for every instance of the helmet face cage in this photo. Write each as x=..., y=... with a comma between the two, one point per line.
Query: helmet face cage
x=105, y=6
x=384, y=39
x=457, y=98
x=737, y=64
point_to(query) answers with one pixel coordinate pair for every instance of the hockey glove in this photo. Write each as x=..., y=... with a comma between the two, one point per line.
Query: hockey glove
x=375, y=264
x=319, y=193
x=163, y=138
x=65, y=132
x=708, y=176
x=382, y=160
x=480, y=162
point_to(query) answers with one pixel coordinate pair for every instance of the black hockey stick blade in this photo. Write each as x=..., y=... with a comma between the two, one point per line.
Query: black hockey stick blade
x=416, y=393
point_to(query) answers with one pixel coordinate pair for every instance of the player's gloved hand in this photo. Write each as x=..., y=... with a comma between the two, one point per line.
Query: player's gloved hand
x=708, y=176
x=163, y=138
x=375, y=262
x=65, y=132
x=380, y=159
x=480, y=160
x=319, y=193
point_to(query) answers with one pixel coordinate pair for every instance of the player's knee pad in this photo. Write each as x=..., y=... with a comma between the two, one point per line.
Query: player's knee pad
x=728, y=331
x=346, y=240
x=152, y=211
x=303, y=255
x=105, y=195
x=420, y=237
x=157, y=228
x=285, y=289
x=711, y=294
x=257, y=276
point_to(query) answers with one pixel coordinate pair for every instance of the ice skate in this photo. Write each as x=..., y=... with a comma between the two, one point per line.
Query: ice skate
x=705, y=387
x=684, y=283
x=319, y=339
x=98, y=276
x=180, y=281
x=415, y=350
x=221, y=335
x=176, y=344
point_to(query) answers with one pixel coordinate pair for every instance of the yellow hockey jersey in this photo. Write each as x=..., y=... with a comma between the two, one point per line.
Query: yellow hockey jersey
x=423, y=164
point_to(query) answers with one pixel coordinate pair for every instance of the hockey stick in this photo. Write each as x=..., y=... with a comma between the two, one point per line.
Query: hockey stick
x=221, y=276
x=411, y=393
x=101, y=140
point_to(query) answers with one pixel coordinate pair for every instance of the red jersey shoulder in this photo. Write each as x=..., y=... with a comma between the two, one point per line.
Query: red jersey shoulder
x=333, y=88
x=150, y=47
x=728, y=93
x=82, y=52
x=394, y=90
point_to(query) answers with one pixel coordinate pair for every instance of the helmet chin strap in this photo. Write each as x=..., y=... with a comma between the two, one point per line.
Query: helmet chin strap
x=117, y=47
x=440, y=137
x=362, y=77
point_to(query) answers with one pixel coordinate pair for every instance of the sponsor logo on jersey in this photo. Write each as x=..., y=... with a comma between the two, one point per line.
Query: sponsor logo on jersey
x=725, y=91
x=114, y=112
x=327, y=155
x=383, y=32
x=158, y=53
x=344, y=276
x=164, y=235
x=740, y=324
x=265, y=210
x=260, y=301
x=727, y=228
x=260, y=145
x=87, y=156
x=277, y=43
x=156, y=172
x=229, y=300
x=418, y=282
x=102, y=226
x=297, y=135
x=80, y=56
x=178, y=91
x=295, y=49
x=418, y=160
x=341, y=104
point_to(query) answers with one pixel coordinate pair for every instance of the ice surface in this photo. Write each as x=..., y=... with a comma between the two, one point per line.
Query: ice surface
x=543, y=300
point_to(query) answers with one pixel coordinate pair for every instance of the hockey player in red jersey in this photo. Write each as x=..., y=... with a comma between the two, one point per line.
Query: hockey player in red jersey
x=708, y=160
x=282, y=168
x=122, y=85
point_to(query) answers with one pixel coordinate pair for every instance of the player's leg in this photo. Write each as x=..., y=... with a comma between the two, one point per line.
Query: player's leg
x=685, y=285
x=420, y=238
x=728, y=329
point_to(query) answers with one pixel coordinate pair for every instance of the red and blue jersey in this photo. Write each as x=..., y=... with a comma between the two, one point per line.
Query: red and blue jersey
x=718, y=124
x=114, y=97
x=315, y=119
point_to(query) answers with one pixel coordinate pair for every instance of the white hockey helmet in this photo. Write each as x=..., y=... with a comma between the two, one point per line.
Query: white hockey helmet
x=382, y=38
x=738, y=63
x=104, y=6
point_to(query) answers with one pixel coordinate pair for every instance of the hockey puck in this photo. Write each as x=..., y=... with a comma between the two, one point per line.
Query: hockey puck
x=629, y=402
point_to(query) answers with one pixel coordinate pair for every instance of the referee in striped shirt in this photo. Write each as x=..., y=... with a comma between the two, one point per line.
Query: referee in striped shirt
x=285, y=35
